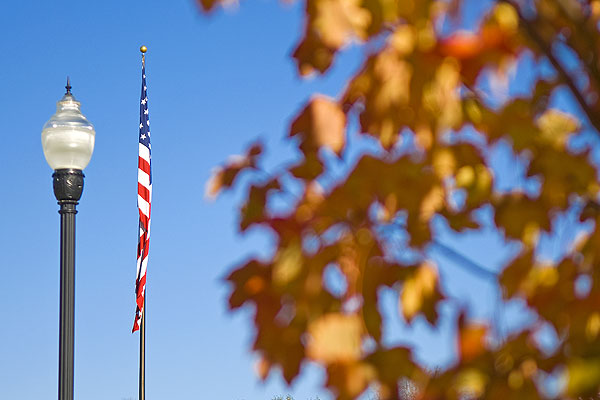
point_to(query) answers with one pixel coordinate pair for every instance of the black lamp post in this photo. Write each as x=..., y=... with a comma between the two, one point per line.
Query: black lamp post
x=68, y=143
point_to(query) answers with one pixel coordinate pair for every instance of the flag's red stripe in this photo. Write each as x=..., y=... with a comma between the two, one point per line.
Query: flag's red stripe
x=144, y=165
x=142, y=244
x=144, y=220
x=140, y=296
x=144, y=192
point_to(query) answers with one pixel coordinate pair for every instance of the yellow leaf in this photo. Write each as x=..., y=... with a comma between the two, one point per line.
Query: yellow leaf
x=335, y=338
x=288, y=264
x=470, y=383
x=441, y=98
x=465, y=176
x=506, y=16
x=556, y=127
x=583, y=375
x=432, y=202
x=395, y=76
x=484, y=178
x=419, y=293
x=595, y=8
x=403, y=40
x=444, y=162
x=592, y=327
x=340, y=20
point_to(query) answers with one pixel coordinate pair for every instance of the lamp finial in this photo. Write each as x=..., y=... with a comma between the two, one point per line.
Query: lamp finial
x=68, y=87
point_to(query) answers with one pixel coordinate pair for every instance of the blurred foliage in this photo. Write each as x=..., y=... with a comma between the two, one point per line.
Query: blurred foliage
x=421, y=94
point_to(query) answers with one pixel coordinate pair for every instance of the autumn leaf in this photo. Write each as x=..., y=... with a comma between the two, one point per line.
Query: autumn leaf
x=288, y=263
x=335, y=338
x=462, y=45
x=471, y=340
x=392, y=364
x=556, y=127
x=208, y=5
x=349, y=380
x=516, y=273
x=312, y=54
x=224, y=177
x=583, y=377
x=420, y=294
x=337, y=21
x=254, y=210
x=321, y=124
x=521, y=218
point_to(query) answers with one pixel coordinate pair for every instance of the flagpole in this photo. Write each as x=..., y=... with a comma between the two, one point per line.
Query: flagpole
x=142, y=381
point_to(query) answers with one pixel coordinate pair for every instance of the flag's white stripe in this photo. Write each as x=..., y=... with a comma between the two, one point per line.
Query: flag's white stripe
x=143, y=203
x=144, y=267
x=144, y=152
x=144, y=179
x=143, y=206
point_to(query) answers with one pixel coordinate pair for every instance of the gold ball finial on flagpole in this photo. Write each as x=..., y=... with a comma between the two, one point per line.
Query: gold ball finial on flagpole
x=143, y=49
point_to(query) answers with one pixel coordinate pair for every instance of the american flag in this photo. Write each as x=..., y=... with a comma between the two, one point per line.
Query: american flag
x=144, y=203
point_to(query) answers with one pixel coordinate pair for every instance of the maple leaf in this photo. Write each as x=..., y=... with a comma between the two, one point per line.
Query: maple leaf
x=471, y=340
x=224, y=177
x=339, y=20
x=335, y=338
x=254, y=210
x=321, y=124
x=420, y=294
x=522, y=217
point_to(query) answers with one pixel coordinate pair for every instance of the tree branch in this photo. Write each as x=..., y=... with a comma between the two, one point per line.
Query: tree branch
x=565, y=77
x=463, y=261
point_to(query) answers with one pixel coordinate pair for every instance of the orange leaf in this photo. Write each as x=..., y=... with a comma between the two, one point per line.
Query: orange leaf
x=224, y=177
x=462, y=45
x=471, y=341
x=322, y=123
x=337, y=21
x=335, y=338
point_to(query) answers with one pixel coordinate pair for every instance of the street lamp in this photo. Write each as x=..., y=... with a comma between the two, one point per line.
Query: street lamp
x=68, y=143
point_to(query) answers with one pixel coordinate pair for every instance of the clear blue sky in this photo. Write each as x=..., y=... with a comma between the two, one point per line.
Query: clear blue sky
x=214, y=84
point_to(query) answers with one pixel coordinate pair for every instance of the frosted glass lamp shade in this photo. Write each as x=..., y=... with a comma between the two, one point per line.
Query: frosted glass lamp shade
x=68, y=137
